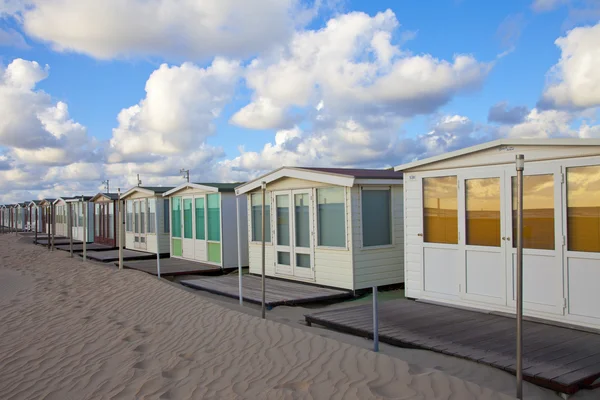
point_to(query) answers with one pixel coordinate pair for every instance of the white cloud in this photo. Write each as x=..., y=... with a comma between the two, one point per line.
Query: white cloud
x=575, y=81
x=11, y=37
x=186, y=28
x=547, y=5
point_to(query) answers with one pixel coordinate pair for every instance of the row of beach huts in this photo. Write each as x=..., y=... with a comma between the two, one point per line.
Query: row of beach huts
x=444, y=226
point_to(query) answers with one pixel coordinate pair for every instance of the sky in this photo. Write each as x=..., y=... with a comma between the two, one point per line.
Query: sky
x=230, y=89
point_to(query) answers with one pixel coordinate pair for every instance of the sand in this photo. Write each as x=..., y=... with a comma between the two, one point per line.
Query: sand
x=74, y=330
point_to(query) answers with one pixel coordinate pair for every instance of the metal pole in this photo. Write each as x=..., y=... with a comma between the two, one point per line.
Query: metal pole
x=36, y=223
x=120, y=224
x=239, y=248
x=263, y=223
x=49, y=217
x=70, y=225
x=84, y=212
x=53, y=211
x=157, y=241
x=375, y=322
x=520, y=165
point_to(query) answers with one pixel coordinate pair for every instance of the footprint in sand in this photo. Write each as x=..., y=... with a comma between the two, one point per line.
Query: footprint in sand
x=144, y=364
x=175, y=373
x=302, y=386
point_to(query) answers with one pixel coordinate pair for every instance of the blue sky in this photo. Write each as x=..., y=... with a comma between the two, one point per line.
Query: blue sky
x=99, y=67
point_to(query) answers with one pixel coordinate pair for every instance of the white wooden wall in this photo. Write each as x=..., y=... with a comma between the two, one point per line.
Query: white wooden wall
x=164, y=246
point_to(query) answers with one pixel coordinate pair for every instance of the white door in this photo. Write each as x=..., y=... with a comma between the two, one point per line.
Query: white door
x=188, y=227
x=542, y=238
x=139, y=224
x=283, y=233
x=483, y=244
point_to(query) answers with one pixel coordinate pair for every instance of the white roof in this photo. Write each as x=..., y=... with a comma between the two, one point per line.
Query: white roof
x=498, y=143
x=137, y=189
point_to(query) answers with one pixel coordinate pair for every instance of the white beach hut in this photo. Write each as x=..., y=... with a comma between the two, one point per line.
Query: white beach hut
x=460, y=228
x=61, y=221
x=36, y=214
x=141, y=204
x=79, y=204
x=334, y=227
x=204, y=224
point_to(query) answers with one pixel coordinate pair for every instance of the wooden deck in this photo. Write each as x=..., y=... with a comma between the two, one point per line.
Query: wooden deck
x=78, y=248
x=278, y=292
x=43, y=240
x=173, y=267
x=113, y=255
x=561, y=359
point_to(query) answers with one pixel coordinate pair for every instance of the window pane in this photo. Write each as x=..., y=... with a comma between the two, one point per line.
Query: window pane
x=538, y=211
x=166, y=223
x=136, y=217
x=200, y=228
x=97, y=218
x=256, y=205
x=331, y=217
x=440, y=210
x=81, y=214
x=302, y=220
x=129, y=223
x=376, y=217
x=303, y=260
x=283, y=258
x=283, y=220
x=213, y=215
x=214, y=252
x=187, y=218
x=482, y=197
x=151, y=215
x=111, y=220
x=583, y=208
x=176, y=216
x=143, y=206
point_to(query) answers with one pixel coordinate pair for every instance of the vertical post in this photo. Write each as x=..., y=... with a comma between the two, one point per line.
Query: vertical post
x=239, y=248
x=375, y=321
x=70, y=228
x=264, y=188
x=120, y=224
x=157, y=241
x=53, y=225
x=84, y=212
x=49, y=218
x=36, y=223
x=520, y=165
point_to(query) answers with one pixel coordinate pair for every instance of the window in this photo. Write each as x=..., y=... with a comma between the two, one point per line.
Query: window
x=143, y=205
x=151, y=215
x=81, y=209
x=482, y=197
x=176, y=217
x=538, y=211
x=97, y=219
x=187, y=218
x=376, y=217
x=583, y=208
x=200, y=228
x=440, y=210
x=166, y=223
x=111, y=220
x=214, y=216
x=331, y=217
x=129, y=222
x=256, y=211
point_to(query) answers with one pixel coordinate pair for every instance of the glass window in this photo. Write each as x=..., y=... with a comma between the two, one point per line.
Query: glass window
x=301, y=220
x=482, y=198
x=143, y=206
x=80, y=214
x=282, y=202
x=200, y=228
x=97, y=219
x=331, y=217
x=256, y=204
x=376, y=217
x=214, y=216
x=538, y=211
x=166, y=223
x=187, y=218
x=176, y=217
x=151, y=215
x=111, y=220
x=129, y=222
x=440, y=210
x=583, y=208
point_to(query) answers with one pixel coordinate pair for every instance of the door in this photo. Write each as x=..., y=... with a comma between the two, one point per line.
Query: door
x=139, y=224
x=294, y=252
x=188, y=227
x=542, y=238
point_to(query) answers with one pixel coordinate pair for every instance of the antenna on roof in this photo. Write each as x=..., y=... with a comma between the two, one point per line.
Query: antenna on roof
x=106, y=184
x=185, y=174
x=139, y=181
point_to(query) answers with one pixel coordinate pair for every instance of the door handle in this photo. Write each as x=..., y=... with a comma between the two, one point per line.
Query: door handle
x=419, y=234
x=507, y=238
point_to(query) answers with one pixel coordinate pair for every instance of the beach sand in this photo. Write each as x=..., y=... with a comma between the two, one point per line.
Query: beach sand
x=74, y=330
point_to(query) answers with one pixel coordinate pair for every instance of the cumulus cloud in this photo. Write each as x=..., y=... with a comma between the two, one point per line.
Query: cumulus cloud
x=502, y=113
x=187, y=28
x=574, y=82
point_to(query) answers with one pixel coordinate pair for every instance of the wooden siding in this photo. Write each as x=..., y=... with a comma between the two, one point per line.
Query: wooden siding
x=293, y=183
x=413, y=271
x=378, y=266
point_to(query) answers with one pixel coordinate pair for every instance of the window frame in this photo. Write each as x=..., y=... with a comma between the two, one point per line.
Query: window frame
x=149, y=220
x=250, y=221
x=392, y=216
x=315, y=206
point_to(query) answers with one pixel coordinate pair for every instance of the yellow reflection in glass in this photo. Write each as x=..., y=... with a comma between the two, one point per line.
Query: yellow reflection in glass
x=538, y=211
x=483, y=211
x=583, y=208
x=440, y=213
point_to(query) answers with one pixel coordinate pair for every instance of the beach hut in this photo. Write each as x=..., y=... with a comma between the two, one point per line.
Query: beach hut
x=61, y=208
x=461, y=228
x=78, y=205
x=334, y=227
x=204, y=224
x=34, y=206
x=4, y=216
x=46, y=211
x=141, y=204
x=106, y=206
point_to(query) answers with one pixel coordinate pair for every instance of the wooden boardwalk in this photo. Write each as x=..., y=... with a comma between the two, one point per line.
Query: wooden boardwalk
x=278, y=292
x=57, y=241
x=113, y=255
x=560, y=359
x=78, y=247
x=173, y=266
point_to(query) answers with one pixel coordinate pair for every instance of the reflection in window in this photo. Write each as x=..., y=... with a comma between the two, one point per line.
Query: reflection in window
x=583, y=208
x=440, y=213
x=482, y=199
x=376, y=217
x=283, y=220
x=176, y=217
x=200, y=228
x=213, y=217
x=331, y=217
x=538, y=211
x=256, y=206
x=187, y=218
x=301, y=220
